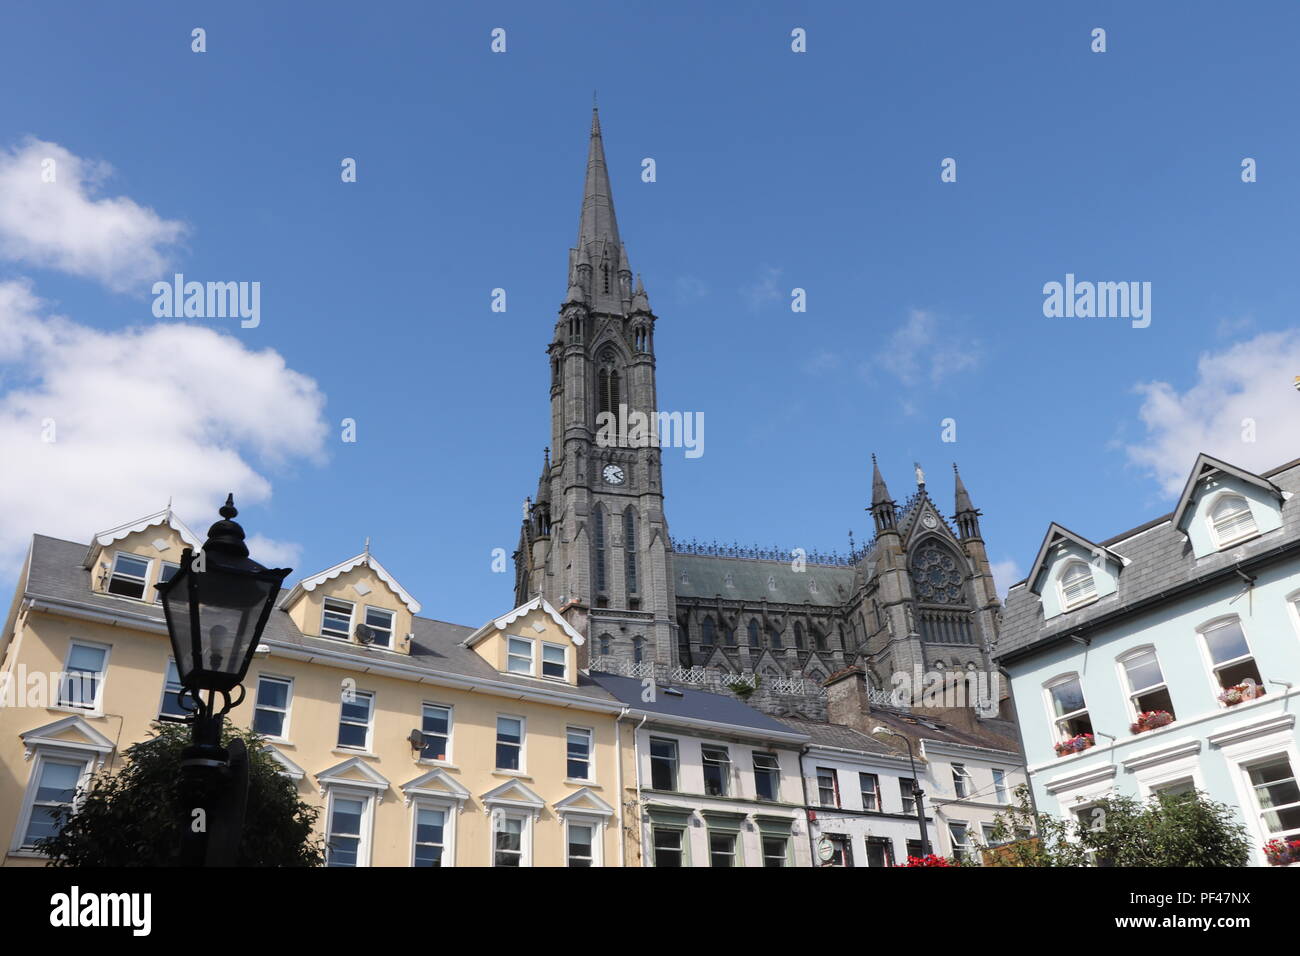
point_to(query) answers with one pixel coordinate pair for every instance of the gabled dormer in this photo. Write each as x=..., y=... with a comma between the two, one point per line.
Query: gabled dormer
x=356, y=601
x=531, y=641
x=129, y=560
x=1072, y=572
x=1223, y=506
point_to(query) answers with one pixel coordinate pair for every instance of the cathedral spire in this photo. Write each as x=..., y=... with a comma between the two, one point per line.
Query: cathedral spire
x=882, y=506
x=597, y=223
x=966, y=516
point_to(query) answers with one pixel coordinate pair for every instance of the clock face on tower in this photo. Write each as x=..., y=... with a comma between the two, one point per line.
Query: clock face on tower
x=612, y=474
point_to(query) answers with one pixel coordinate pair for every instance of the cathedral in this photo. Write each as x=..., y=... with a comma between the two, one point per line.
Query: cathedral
x=768, y=626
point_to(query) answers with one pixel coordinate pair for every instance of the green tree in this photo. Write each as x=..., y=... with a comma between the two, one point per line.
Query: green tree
x=132, y=817
x=1176, y=831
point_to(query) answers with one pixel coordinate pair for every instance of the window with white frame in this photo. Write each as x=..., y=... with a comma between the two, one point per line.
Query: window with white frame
x=668, y=843
x=82, y=685
x=508, y=839
x=828, y=787
x=663, y=763
x=355, y=715
x=1069, y=710
x=717, y=770
x=271, y=711
x=336, y=618
x=1231, y=520
x=776, y=850
x=430, y=836
x=960, y=835
x=1231, y=661
x=767, y=775
x=435, y=725
x=1277, y=797
x=987, y=829
x=345, y=840
x=554, y=664
x=907, y=790
x=165, y=574
x=519, y=656
x=870, y=786
x=1182, y=787
x=722, y=848
x=961, y=780
x=510, y=743
x=1000, y=785
x=1078, y=586
x=380, y=622
x=171, y=702
x=129, y=577
x=580, y=842
x=1146, y=682
x=578, y=753
x=52, y=790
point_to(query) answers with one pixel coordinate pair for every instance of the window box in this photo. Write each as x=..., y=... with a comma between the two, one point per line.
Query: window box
x=928, y=860
x=1076, y=744
x=1234, y=695
x=1282, y=852
x=1151, y=720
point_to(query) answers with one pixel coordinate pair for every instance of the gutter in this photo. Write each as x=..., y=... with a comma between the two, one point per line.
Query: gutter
x=1148, y=602
x=618, y=750
x=807, y=820
x=696, y=723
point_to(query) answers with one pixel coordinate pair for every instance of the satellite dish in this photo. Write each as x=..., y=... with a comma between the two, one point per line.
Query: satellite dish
x=364, y=633
x=417, y=740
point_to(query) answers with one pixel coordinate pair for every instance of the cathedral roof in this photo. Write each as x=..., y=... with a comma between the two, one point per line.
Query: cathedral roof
x=702, y=576
x=597, y=222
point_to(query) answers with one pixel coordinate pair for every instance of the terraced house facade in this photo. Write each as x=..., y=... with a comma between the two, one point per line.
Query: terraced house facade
x=1167, y=658
x=424, y=743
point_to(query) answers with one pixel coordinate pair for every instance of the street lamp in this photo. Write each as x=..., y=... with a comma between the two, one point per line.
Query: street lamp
x=917, y=792
x=216, y=606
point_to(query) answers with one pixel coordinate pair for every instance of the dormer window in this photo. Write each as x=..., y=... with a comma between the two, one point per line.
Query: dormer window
x=554, y=662
x=380, y=622
x=129, y=576
x=1078, y=586
x=519, y=656
x=336, y=618
x=1231, y=520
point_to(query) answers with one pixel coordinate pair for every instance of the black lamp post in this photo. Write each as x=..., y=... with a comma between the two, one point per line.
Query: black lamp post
x=917, y=792
x=216, y=607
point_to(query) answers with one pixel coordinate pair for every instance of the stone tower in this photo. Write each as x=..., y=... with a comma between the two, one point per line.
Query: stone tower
x=594, y=541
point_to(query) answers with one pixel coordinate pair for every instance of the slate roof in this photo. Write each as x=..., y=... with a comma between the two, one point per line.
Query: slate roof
x=836, y=735
x=690, y=704
x=57, y=573
x=706, y=578
x=1161, y=559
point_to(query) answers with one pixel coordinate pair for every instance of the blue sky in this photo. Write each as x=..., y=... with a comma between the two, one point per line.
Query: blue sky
x=775, y=170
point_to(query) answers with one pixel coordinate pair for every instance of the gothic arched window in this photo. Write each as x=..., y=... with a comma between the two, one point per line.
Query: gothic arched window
x=629, y=550
x=638, y=649
x=753, y=633
x=604, y=645
x=604, y=272
x=819, y=640
x=706, y=632
x=598, y=528
x=607, y=390
x=774, y=638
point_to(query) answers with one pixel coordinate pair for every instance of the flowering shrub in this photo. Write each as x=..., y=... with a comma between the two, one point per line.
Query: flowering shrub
x=1239, y=692
x=929, y=859
x=1150, y=720
x=1280, y=852
x=1075, y=744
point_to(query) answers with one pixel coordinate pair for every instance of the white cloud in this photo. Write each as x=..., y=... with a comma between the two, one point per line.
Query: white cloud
x=765, y=290
x=922, y=350
x=1005, y=574
x=273, y=553
x=1250, y=382
x=62, y=225
x=138, y=416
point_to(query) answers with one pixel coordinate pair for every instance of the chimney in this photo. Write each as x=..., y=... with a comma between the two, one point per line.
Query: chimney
x=846, y=699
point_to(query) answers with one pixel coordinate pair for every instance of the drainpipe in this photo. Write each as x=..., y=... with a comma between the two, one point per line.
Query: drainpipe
x=636, y=756
x=618, y=759
x=807, y=821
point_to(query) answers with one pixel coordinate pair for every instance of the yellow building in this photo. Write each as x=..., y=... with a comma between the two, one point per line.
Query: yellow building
x=424, y=743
